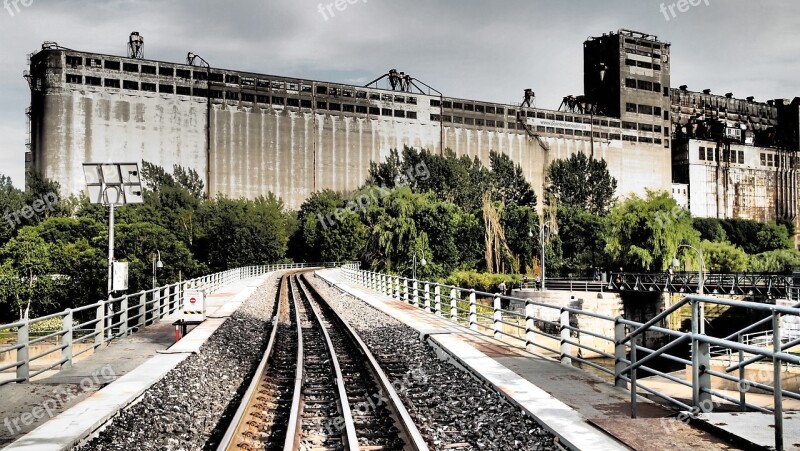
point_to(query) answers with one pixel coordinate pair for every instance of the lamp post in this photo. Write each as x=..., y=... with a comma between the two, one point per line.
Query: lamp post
x=422, y=262
x=700, y=291
x=156, y=265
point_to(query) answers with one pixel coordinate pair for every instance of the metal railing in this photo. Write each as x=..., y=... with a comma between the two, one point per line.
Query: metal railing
x=556, y=330
x=687, y=282
x=93, y=325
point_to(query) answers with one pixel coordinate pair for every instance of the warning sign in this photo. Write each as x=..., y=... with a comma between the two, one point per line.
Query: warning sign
x=194, y=305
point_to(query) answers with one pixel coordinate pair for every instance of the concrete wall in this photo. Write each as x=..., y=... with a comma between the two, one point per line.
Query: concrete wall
x=260, y=146
x=748, y=190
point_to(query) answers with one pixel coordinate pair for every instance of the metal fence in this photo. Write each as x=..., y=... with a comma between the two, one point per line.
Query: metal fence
x=632, y=360
x=95, y=324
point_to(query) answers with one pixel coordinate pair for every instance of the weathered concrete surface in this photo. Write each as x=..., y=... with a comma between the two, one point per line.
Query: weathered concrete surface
x=258, y=147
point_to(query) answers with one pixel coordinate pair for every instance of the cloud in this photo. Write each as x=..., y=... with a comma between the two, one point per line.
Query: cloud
x=475, y=49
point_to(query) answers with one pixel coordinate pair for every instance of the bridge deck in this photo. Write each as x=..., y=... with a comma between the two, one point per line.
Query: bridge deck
x=584, y=410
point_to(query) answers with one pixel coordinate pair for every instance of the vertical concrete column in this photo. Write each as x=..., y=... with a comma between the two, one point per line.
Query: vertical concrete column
x=619, y=354
x=427, y=297
x=473, y=311
x=123, y=317
x=23, y=353
x=530, y=327
x=67, y=350
x=406, y=294
x=566, y=348
x=454, y=303
x=437, y=300
x=497, y=317
x=415, y=296
x=397, y=288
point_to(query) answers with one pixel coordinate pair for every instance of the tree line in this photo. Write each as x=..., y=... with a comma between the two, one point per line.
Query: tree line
x=461, y=217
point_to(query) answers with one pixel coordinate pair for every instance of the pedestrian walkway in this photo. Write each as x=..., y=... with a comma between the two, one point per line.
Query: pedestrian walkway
x=581, y=409
x=59, y=410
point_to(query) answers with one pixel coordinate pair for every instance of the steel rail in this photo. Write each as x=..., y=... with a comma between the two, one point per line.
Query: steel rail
x=406, y=422
x=234, y=431
x=344, y=403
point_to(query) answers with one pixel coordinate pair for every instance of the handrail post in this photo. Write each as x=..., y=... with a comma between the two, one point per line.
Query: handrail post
x=396, y=287
x=66, y=351
x=100, y=325
x=634, y=371
x=566, y=348
x=437, y=300
x=497, y=316
x=123, y=317
x=778, y=383
x=453, y=304
x=473, y=310
x=23, y=353
x=415, y=296
x=619, y=354
x=142, y=311
x=530, y=325
x=406, y=294
x=427, y=297
x=742, y=391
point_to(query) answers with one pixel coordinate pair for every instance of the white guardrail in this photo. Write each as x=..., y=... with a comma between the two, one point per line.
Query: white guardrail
x=90, y=326
x=557, y=331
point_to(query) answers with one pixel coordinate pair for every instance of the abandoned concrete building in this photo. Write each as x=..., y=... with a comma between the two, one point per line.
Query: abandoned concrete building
x=249, y=134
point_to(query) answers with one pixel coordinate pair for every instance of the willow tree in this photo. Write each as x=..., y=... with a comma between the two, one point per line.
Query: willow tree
x=496, y=245
x=645, y=234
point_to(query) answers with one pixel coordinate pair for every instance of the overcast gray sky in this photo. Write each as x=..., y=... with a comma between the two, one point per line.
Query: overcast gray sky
x=485, y=50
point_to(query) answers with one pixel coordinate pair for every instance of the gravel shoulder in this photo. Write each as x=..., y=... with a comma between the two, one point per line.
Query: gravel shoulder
x=189, y=409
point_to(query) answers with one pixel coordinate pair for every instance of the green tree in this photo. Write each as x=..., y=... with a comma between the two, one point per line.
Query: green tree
x=581, y=182
x=517, y=223
x=644, y=234
x=772, y=237
x=582, y=242
x=509, y=185
x=723, y=257
x=30, y=256
x=782, y=261
x=235, y=233
x=710, y=229
x=12, y=200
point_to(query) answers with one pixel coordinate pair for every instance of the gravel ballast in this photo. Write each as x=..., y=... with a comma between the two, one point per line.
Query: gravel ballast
x=190, y=407
x=452, y=410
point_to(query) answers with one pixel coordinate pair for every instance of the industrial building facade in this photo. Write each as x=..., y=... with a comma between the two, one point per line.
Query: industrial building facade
x=250, y=134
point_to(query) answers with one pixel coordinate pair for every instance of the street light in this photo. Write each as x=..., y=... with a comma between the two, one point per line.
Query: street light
x=676, y=263
x=422, y=262
x=156, y=265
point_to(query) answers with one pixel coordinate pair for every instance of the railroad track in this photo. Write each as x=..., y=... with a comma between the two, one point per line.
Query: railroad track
x=318, y=387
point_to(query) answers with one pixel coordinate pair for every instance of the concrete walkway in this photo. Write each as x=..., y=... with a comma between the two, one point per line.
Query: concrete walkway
x=59, y=411
x=584, y=411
